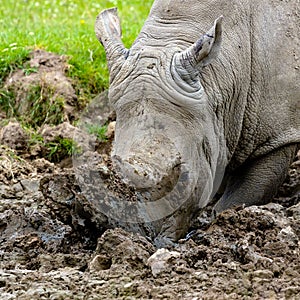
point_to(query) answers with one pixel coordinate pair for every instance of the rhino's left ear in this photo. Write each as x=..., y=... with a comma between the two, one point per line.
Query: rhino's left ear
x=201, y=53
x=108, y=31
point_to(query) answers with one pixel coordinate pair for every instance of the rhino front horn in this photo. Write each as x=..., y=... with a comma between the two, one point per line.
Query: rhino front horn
x=108, y=31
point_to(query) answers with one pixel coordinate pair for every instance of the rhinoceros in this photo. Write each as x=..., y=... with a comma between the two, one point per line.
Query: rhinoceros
x=207, y=101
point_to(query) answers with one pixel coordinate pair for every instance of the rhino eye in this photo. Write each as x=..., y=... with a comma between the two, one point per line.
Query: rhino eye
x=151, y=66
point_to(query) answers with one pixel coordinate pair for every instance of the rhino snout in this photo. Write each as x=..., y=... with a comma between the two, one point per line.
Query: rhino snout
x=152, y=173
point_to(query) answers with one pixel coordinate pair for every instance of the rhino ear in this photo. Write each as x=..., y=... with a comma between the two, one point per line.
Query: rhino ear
x=190, y=61
x=108, y=31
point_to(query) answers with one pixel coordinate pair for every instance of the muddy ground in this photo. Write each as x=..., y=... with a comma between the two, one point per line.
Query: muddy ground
x=53, y=244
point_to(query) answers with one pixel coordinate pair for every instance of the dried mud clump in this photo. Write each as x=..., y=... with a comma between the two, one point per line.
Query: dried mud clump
x=14, y=136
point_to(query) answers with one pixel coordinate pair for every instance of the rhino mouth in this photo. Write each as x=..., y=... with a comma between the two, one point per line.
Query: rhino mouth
x=152, y=180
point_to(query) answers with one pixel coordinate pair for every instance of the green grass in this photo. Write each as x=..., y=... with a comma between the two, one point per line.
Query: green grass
x=64, y=27
x=61, y=148
x=98, y=131
x=42, y=108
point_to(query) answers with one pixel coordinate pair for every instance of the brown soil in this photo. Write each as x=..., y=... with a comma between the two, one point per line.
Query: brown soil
x=54, y=244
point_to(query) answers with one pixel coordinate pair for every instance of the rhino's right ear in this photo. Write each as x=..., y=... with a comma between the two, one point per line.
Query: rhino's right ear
x=189, y=62
x=108, y=31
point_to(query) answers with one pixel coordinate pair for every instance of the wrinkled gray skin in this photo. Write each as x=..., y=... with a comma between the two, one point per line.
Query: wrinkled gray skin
x=216, y=107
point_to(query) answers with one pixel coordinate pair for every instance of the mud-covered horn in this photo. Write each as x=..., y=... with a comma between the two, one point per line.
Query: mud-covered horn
x=108, y=31
x=190, y=61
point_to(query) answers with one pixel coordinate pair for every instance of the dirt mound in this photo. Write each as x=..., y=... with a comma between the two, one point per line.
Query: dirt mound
x=42, y=93
x=14, y=136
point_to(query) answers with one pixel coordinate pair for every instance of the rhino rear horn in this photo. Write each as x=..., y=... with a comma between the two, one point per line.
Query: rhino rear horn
x=108, y=31
x=190, y=61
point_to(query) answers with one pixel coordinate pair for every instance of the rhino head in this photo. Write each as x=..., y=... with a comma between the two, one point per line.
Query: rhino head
x=166, y=139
